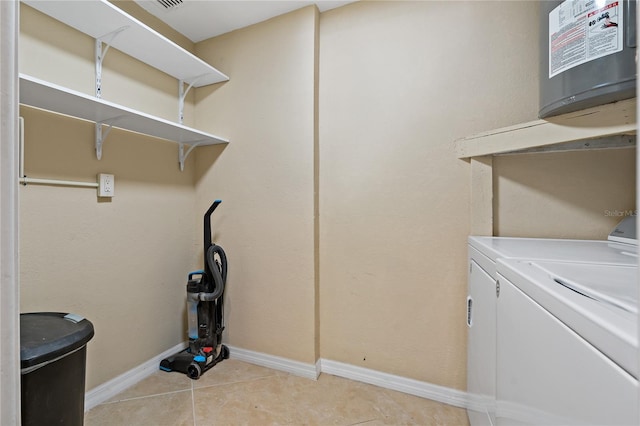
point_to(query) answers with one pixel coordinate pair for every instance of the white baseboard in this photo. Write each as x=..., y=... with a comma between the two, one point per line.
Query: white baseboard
x=297, y=368
x=109, y=389
x=438, y=393
x=431, y=391
x=398, y=383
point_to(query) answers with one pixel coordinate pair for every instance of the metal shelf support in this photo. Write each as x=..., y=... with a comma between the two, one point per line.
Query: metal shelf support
x=182, y=94
x=100, y=54
x=102, y=135
x=182, y=156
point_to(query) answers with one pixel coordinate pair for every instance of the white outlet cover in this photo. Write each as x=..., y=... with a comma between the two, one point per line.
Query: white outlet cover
x=106, y=185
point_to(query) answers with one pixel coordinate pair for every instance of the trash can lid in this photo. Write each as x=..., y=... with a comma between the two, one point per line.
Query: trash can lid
x=45, y=336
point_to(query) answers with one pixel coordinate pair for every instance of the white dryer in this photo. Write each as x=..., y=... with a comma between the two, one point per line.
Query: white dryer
x=482, y=315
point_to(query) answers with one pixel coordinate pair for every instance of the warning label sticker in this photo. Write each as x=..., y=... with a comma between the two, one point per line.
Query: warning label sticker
x=583, y=30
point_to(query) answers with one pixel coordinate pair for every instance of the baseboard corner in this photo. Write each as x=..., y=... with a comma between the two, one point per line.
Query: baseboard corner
x=297, y=368
x=111, y=388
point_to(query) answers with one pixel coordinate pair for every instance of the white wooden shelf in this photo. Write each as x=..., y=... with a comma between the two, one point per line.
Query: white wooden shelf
x=44, y=95
x=617, y=118
x=104, y=21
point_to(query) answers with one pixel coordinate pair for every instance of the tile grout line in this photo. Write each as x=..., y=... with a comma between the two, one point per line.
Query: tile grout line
x=254, y=379
x=382, y=414
x=387, y=394
x=193, y=404
x=191, y=388
x=142, y=396
x=364, y=422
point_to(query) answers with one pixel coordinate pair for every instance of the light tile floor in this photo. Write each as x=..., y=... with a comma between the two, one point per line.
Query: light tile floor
x=238, y=393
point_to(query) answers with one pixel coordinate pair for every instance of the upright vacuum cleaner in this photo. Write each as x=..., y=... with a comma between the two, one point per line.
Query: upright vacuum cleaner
x=205, y=315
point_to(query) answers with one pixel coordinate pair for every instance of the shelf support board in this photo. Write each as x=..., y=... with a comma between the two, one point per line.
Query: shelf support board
x=617, y=118
x=482, y=196
x=107, y=39
x=182, y=156
x=608, y=142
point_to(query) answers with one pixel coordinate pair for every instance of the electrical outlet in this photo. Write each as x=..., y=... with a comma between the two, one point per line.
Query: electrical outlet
x=106, y=185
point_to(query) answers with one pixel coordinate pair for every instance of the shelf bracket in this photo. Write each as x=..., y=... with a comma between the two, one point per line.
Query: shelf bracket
x=100, y=54
x=102, y=135
x=182, y=94
x=182, y=156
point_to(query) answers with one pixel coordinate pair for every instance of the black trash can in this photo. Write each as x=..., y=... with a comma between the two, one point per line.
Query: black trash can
x=53, y=349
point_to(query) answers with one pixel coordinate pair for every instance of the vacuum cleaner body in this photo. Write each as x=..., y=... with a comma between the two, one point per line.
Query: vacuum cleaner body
x=205, y=314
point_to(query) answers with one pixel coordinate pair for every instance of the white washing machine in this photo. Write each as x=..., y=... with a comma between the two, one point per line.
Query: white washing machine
x=485, y=406
x=567, y=343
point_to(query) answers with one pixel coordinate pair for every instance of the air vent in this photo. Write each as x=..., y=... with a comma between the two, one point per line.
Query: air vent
x=170, y=4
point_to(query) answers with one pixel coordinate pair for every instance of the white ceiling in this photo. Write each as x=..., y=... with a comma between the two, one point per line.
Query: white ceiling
x=202, y=19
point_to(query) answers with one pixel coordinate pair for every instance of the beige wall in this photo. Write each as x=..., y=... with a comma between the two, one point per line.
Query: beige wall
x=120, y=263
x=265, y=178
x=399, y=82
x=563, y=195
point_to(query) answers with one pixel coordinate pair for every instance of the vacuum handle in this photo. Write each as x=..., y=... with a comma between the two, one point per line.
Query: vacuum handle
x=207, y=226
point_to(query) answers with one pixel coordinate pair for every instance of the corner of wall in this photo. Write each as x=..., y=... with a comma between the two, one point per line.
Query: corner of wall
x=267, y=176
x=316, y=179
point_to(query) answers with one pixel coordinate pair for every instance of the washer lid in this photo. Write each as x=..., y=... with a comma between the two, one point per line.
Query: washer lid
x=609, y=327
x=580, y=251
x=45, y=336
x=616, y=285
